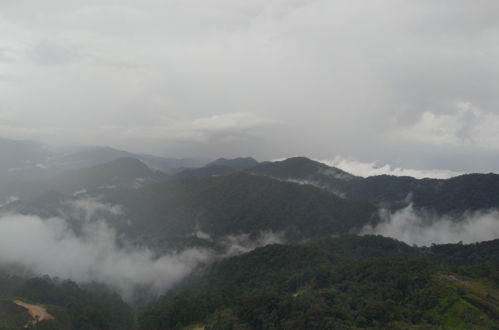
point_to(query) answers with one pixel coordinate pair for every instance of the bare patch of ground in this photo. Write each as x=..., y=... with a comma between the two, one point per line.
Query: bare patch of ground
x=37, y=312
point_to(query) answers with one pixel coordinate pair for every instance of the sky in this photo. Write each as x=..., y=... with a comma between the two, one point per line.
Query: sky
x=413, y=84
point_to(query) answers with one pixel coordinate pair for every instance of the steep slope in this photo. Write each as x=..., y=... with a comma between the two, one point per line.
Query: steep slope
x=235, y=204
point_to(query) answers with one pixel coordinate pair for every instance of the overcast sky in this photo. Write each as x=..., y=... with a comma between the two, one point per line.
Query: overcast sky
x=412, y=83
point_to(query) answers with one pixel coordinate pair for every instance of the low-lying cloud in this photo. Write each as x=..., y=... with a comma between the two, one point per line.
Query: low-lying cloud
x=93, y=251
x=89, y=208
x=366, y=169
x=242, y=243
x=49, y=246
x=423, y=229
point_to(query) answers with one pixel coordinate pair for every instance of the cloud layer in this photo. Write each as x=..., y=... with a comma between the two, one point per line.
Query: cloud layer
x=366, y=169
x=92, y=250
x=49, y=246
x=420, y=228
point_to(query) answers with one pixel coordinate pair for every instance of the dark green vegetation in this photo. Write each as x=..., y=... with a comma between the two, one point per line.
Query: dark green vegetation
x=234, y=204
x=164, y=210
x=12, y=316
x=73, y=307
x=166, y=214
x=346, y=283
x=449, y=196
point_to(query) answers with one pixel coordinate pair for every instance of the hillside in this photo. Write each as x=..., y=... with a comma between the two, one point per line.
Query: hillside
x=68, y=305
x=346, y=283
x=237, y=204
x=444, y=196
x=121, y=172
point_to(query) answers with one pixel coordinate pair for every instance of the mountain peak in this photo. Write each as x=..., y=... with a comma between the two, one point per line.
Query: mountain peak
x=299, y=168
x=239, y=163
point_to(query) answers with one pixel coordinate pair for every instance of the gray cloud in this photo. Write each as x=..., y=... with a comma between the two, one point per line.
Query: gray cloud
x=366, y=169
x=149, y=75
x=48, y=246
x=94, y=251
x=47, y=53
x=420, y=228
x=242, y=243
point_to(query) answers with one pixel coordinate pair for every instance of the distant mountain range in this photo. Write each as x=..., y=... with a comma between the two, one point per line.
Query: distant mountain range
x=297, y=197
x=27, y=160
x=457, y=194
x=281, y=236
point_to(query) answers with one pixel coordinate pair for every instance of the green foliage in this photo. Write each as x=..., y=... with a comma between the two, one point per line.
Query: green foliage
x=73, y=307
x=12, y=316
x=168, y=213
x=346, y=283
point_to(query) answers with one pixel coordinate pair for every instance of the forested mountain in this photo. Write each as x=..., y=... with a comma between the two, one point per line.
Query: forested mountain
x=277, y=246
x=302, y=168
x=30, y=160
x=454, y=195
x=236, y=204
x=346, y=283
x=64, y=305
x=90, y=156
x=120, y=172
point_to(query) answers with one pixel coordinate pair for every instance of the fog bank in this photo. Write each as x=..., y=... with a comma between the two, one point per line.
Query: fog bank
x=423, y=229
x=50, y=247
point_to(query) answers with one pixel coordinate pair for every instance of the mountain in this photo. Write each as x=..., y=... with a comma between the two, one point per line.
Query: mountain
x=44, y=303
x=469, y=192
x=28, y=160
x=122, y=172
x=236, y=204
x=21, y=159
x=278, y=237
x=339, y=283
x=91, y=156
x=218, y=167
x=212, y=170
x=241, y=163
x=119, y=172
x=443, y=196
x=300, y=168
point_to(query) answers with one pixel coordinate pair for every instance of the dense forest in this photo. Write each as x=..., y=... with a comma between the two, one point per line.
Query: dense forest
x=345, y=283
x=93, y=306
